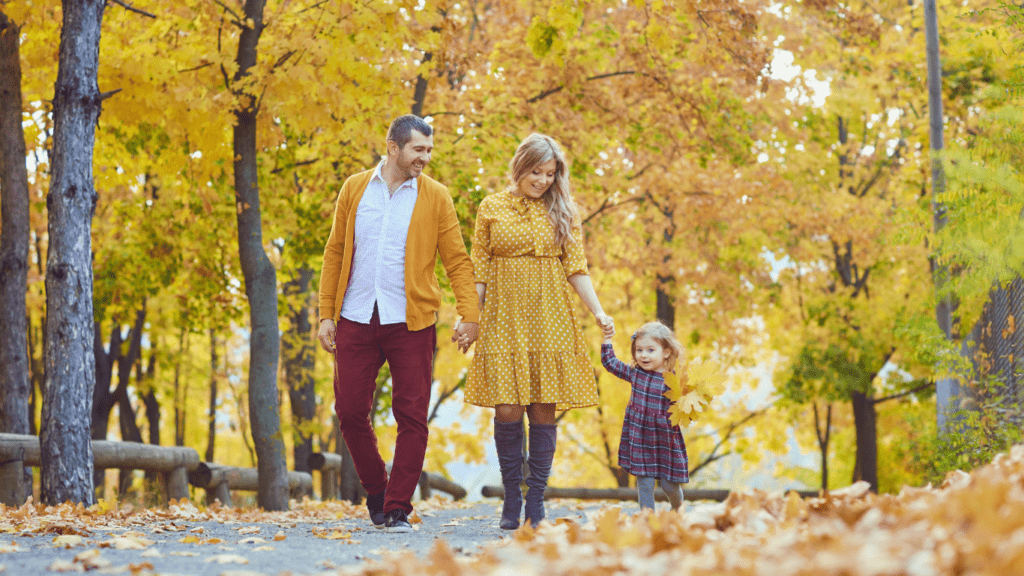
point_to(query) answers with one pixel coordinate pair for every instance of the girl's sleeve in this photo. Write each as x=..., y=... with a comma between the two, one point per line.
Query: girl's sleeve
x=574, y=259
x=481, y=251
x=614, y=365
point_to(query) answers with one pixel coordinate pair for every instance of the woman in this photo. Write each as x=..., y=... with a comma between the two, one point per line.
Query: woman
x=531, y=357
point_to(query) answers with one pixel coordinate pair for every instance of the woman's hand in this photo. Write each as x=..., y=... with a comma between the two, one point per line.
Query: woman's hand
x=606, y=323
x=465, y=334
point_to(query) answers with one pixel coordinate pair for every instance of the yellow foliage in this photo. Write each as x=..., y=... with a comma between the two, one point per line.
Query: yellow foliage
x=691, y=394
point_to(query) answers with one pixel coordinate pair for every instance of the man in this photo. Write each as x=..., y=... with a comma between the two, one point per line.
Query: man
x=378, y=283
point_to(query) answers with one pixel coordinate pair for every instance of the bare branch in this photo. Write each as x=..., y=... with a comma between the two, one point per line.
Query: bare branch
x=105, y=95
x=547, y=93
x=131, y=8
x=238, y=19
x=606, y=207
x=200, y=67
x=296, y=165
x=313, y=7
x=725, y=437
x=444, y=396
x=905, y=393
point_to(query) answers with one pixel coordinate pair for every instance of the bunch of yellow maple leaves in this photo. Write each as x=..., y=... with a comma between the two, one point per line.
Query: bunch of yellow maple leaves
x=692, y=391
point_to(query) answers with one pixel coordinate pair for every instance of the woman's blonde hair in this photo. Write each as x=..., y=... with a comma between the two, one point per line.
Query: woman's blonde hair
x=535, y=150
x=664, y=337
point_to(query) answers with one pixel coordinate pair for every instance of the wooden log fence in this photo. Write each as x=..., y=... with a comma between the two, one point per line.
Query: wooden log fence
x=329, y=465
x=219, y=480
x=692, y=494
x=173, y=463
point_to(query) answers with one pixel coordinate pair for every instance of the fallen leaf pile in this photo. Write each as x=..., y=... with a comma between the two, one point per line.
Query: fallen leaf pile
x=691, y=393
x=81, y=521
x=108, y=525
x=972, y=525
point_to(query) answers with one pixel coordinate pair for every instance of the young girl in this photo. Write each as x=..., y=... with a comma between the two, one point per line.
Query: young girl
x=651, y=447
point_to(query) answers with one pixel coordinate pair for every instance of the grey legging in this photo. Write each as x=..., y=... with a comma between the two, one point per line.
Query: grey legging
x=645, y=492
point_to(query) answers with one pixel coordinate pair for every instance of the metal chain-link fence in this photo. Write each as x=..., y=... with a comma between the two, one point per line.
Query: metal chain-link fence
x=996, y=345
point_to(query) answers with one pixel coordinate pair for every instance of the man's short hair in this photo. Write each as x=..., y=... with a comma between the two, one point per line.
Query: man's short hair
x=401, y=129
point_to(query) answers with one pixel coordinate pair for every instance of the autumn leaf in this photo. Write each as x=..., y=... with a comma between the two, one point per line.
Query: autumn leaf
x=69, y=541
x=127, y=543
x=65, y=566
x=92, y=560
x=227, y=559
x=692, y=393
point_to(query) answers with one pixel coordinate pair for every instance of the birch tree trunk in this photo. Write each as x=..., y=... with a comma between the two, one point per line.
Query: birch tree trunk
x=947, y=390
x=67, y=464
x=14, y=236
x=260, y=282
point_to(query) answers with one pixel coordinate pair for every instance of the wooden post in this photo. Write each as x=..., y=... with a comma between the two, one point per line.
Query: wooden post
x=177, y=483
x=12, y=481
x=329, y=466
x=329, y=481
x=219, y=491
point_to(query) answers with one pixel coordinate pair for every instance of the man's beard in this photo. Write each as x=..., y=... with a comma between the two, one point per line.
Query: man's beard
x=408, y=169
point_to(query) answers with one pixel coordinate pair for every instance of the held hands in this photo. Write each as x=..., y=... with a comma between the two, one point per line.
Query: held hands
x=607, y=325
x=326, y=335
x=465, y=334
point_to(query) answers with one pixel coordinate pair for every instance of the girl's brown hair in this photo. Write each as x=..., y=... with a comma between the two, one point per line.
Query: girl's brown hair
x=664, y=337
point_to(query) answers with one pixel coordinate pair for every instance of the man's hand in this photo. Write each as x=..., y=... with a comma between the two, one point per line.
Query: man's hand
x=326, y=335
x=465, y=334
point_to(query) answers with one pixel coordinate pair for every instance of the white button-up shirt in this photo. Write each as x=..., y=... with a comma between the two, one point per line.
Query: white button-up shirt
x=378, y=259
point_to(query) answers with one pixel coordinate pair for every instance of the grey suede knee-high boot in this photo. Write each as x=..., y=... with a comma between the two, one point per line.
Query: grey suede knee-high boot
x=543, y=438
x=508, y=439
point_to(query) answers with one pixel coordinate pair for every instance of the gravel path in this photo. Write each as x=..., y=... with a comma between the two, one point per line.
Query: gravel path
x=234, y=548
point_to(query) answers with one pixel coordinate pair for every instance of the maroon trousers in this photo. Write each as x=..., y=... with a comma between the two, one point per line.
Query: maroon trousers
x=360, y=351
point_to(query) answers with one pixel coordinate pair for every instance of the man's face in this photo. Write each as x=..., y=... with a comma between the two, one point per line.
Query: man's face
x=411, y=160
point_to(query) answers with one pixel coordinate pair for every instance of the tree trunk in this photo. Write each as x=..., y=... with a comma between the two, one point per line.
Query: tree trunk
x=665, y=307
x=823, y=441
x=149, y=397
x=14, y=237
x=299, y=361
x=419, y=95
x=125, y=411
x=129, y=432
x=180, y=396
x=947, y=390
x=66, y=471
x=350, y=489
x=260, y=282
x=211, y=432
x=867, y=439
x=144, y=383
x=103, y=398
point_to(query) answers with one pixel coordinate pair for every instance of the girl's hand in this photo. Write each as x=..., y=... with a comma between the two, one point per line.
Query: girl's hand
x=607, y=325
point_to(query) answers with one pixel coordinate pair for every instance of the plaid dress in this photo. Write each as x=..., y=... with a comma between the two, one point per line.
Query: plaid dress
x=651, y=446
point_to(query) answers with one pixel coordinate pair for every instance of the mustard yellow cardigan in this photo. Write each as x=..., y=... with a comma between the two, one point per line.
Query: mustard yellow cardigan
x=434, y=229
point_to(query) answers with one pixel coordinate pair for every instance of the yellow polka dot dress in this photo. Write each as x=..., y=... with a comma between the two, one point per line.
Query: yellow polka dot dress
x=531, y=346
